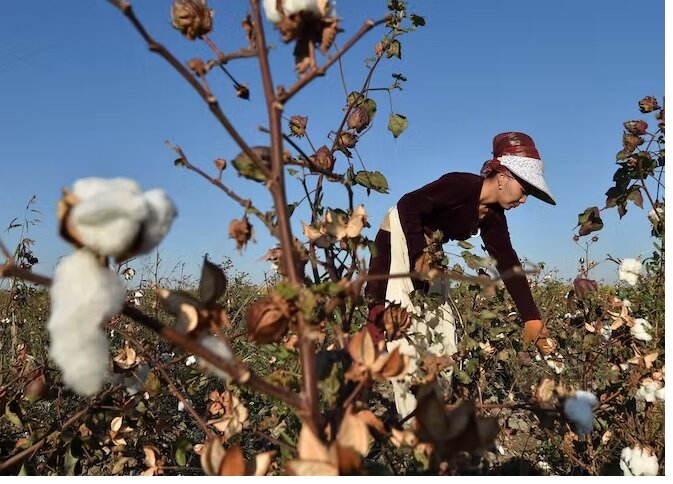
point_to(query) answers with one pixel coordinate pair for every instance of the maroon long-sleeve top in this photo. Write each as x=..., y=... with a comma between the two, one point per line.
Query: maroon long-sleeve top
x=451, y=204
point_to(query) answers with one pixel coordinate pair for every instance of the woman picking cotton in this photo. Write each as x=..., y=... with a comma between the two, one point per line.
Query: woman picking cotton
x=459, y=205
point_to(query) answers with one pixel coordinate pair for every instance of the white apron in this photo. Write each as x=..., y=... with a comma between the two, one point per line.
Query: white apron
x=437, y=326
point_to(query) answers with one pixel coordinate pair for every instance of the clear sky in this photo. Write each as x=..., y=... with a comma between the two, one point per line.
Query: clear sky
x=82, y=96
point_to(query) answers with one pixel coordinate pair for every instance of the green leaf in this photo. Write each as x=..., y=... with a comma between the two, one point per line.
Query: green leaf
x=292, y=171
x=462, y=376
x=417, y=20
x=397, y=124
x=141, y=407
x=354, y=98
x=399, y=77
x=181, y=447
x=291, y=207
x=70, y=462
x=394, y=49
x=373, y=180
x=465, y=245
x=23, y=471
x=13, y=415
x=248, y=169
x=487, y=314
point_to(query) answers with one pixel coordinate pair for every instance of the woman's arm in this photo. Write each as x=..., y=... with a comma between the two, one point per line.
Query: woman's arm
x=495, y=234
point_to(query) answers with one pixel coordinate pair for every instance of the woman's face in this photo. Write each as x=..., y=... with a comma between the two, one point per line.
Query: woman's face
x=512, y=193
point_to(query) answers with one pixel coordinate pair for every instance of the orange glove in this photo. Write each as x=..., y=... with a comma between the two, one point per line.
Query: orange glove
x=534, y=331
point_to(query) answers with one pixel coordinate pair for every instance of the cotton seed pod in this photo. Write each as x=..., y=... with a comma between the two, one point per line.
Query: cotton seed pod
x=358, y=119
x=631, y=141
x=220, y=164
x=396, y=320
x=298, y=125
x=323, y=159
x=648, y=104
x=198, y=67
x=637, y=128
x=268, y=320
x=242, y=91
x=347, y=140
x=241, y=231
x=192, y=18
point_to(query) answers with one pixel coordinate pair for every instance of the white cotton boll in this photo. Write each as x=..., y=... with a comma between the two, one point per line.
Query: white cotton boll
x=270, y=10
x=637, y=461
x=83, y=296
x=656, y=215
x=160, y=214
x=220, y=348
x=629, y=270
x=650, y=391
x=181, y=406
x=294, y=6
x=191, y=359
x=579, y=410
x=109, y=222
x=86, y=188
x=640, y=330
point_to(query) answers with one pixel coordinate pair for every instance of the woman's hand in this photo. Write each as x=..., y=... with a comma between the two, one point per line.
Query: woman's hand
x=534, y=331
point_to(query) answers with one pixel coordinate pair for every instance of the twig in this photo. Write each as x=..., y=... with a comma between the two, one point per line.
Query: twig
x=176, y=392
x=277, y=187
x=213, y=105
x=320, y=71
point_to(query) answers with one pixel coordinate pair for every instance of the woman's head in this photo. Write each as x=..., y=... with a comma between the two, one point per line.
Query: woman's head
x=517, y=169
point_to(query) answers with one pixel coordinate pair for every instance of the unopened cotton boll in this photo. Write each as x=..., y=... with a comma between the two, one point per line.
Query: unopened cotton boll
x=108, y=222
x=637, y=461
x=579, y=410
x=83, y=296
x=220, y=348
x=160, y=214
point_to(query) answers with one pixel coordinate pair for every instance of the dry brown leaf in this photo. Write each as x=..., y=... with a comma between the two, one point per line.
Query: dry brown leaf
x=361, y=348
x=646, y=360
x=212, y=454
x=233, y=463
x=116, y=424
x=153, y=461
x=260, y=466
x=354, y=433
x=311, y=468
x=545, y=390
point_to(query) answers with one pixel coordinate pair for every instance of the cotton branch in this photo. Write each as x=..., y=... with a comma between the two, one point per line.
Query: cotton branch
x=320, y=71
x=245, y=203
x=213, y=105
x=277, y=187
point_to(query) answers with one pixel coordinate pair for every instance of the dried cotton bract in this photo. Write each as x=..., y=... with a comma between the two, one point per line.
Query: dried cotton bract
x=221, y=349
x=83, y=296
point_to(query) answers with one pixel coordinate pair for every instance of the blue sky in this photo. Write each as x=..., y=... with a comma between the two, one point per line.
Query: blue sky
x=82, y=96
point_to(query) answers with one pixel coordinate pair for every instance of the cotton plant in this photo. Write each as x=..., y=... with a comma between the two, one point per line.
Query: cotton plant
x=638, y=461
x=629, y=271
x=102, y=218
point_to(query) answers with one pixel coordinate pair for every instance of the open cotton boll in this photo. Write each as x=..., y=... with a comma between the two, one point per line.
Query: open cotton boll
x=220, y=348
x=640, y=329
x=629, y=270
x=271, y=12
x=160, y=214
x=109, y=222
x=637, y=461
x=650, y=391
x=579, y=410
x=83, y=295
x=295, y=6
x=86, y=188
